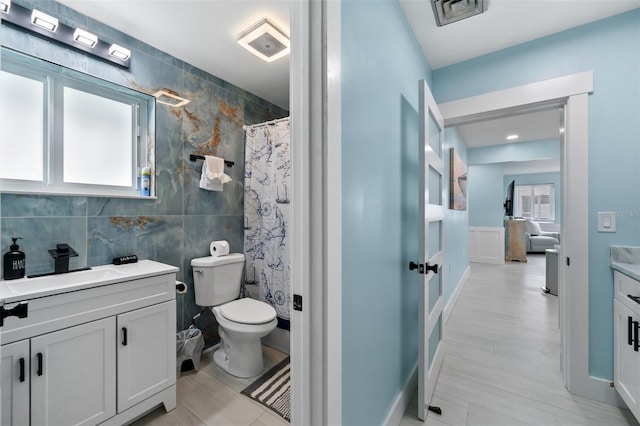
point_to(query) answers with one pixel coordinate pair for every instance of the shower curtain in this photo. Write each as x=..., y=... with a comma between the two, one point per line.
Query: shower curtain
x=266, y=213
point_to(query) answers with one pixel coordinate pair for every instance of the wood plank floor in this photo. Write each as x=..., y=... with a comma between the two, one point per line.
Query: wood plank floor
x=212, y=397
x=502, y=357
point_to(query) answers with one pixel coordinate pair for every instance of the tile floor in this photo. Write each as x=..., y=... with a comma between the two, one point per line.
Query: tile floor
x=502, y=357
x=212, y=397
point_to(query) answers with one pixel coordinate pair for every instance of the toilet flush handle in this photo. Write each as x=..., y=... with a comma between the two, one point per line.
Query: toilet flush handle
x=199, y=271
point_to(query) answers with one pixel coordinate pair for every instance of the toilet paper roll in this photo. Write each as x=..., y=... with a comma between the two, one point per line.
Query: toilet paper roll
x=181, y=288
x=219, y=248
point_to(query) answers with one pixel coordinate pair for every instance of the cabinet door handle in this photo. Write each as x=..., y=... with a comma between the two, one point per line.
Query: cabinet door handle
x=39, y=356
x=21, y=362
x=630, y=330
x=124, y=336
x=636, y=343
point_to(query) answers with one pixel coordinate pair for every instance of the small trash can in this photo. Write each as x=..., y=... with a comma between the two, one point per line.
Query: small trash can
x=189, y=345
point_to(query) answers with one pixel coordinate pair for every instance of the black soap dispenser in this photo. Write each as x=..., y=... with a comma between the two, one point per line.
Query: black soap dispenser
x=14, y=262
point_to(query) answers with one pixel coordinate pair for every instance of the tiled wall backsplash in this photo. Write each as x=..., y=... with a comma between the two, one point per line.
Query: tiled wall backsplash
x=180, y=223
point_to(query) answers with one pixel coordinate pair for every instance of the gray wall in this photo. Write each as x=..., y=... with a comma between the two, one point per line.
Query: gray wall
x=183, y=220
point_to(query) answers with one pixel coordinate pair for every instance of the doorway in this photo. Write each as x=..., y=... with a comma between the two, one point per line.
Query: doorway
x=570, y=92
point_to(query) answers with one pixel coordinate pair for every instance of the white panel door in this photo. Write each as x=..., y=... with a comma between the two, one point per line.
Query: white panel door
x=430, y=251
x=146, y=352
x=73, y=375
x=14, y=382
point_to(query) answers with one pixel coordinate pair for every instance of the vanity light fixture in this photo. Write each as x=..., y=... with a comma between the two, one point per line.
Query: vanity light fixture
x=43, y=20
x=119, y=52
x=265, y=40
x=166, y=98
x=40, y=24
x=512, y=137
x=85, y=37
x=5, y=5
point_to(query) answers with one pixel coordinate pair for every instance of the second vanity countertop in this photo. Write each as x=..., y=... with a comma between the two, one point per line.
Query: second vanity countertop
x=626, y=259
x=31, y=288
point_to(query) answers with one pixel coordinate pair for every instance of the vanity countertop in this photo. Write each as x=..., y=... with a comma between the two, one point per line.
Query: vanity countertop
x=31, y=288
x=626, y=259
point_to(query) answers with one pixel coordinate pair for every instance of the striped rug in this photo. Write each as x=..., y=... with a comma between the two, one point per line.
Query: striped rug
x=273, y=389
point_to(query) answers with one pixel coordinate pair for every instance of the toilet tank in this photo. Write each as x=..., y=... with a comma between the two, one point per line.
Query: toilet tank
x=216, y=280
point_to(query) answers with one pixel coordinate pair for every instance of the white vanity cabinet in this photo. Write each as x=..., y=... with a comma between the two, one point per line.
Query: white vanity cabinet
x=102, y=354
x=15, y=383
x=626, y=311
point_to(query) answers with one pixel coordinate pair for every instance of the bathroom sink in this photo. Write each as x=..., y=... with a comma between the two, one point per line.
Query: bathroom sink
x=63, y=282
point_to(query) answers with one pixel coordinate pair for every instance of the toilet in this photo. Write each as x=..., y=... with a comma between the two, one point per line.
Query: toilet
x=242, y=322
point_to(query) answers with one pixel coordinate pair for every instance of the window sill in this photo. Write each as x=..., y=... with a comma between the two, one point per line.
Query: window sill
x=74, y=192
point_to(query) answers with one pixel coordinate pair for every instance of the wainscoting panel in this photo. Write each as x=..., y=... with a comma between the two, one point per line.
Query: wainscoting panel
x=486, y=245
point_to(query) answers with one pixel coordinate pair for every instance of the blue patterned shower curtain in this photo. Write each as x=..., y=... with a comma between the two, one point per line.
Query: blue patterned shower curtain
x=267, y=212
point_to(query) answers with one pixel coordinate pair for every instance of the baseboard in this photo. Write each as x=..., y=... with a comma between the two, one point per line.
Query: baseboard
x=599, y=390
x=402, y=400
x=454, y=297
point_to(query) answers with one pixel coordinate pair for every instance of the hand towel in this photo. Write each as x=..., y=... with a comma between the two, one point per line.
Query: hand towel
x=213, y=176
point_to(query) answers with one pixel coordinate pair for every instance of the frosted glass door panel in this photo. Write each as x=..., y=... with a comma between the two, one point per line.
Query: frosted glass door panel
x=97, y=140
x=435, y=185
x=434, y=136
x=434, y=340
x=21, y=127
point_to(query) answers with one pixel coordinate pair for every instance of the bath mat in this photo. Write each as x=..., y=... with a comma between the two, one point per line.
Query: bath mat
x=273, y=389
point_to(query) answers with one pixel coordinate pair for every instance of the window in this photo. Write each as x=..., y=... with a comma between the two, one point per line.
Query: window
x=65, y=132
x=535, y=201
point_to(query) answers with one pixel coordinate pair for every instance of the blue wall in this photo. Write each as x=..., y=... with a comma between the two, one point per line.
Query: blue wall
x=540, y=178
x=380, y=74
x=610, y=48
x=456, y=223
x=486, y=195
x=181, y=222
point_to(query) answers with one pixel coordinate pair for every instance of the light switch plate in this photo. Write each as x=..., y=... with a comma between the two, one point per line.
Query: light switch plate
x=606, y=221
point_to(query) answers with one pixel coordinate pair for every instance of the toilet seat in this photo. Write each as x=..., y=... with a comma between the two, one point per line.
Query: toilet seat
x=248, y=311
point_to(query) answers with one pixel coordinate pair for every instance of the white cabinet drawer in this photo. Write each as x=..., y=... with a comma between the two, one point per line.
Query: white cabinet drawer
x=625, y=286
x=47, y=314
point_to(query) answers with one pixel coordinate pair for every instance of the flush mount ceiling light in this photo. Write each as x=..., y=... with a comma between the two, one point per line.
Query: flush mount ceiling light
x=166, y=98
x=119, y=52
x=265, y=40
x=48, y=27
x=512, y=137
x=5, y=5
x=85, y=37
x=43, y=20
x=449, y=11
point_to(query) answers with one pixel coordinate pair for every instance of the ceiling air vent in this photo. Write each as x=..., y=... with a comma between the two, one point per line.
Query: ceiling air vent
x=448, y=11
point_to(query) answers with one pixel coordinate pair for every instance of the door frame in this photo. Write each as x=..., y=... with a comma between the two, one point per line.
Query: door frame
x=570, y=92
x=316, y=221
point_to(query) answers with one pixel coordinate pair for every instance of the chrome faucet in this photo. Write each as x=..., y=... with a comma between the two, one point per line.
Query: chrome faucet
x=61, y=255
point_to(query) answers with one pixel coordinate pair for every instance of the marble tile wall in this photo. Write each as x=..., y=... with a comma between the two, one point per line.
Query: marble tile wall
x=181, y=222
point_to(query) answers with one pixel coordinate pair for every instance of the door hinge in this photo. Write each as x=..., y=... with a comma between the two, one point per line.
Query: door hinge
x=297, y=302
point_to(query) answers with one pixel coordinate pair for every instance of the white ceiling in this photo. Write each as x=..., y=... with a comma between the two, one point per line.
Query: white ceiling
x=203, y=32
x=506, y=23
x=529, y=127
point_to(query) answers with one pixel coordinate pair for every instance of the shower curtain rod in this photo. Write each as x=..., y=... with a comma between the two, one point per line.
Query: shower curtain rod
x=266, y=123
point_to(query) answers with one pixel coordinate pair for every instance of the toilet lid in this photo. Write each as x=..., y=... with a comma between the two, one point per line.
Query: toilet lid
x=248, y=311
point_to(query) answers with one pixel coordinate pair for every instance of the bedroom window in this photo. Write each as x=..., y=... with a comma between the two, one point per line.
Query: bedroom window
x=535, y=202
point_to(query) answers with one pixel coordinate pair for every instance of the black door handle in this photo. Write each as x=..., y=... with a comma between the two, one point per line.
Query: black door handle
x=39, y=356
x=636, y=343
x=413, y=265
x=21, y=362
x=433, y=268
x=124, y=336
x=629, y=330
